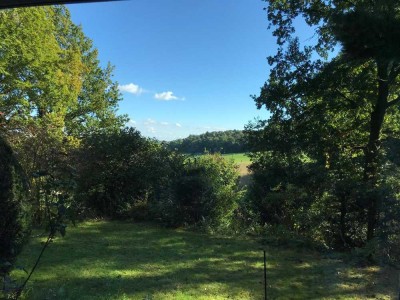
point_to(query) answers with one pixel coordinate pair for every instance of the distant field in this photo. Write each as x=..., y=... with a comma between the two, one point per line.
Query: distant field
x=121, y=260
x=238, y=157
x=243, y=162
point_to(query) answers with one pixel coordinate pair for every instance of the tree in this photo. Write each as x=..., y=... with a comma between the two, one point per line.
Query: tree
x=118, y=170
x=39, y=78
x=308, y=94
x=53, y=91
x=50, y=74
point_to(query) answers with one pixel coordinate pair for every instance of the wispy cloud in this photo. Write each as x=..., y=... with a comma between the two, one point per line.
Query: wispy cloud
x=149, y=122
x=167, y=96
x=131, y=88
x=178, y=125
x=137, y=90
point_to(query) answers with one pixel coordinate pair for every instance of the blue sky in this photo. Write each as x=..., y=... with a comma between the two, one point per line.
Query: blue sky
x=183, y=66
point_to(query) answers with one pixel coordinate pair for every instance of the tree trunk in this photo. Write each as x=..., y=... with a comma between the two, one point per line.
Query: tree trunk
x=373, y=147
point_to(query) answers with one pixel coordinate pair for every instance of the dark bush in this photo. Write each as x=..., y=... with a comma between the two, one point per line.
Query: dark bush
x=205, y=193
x=14, y=207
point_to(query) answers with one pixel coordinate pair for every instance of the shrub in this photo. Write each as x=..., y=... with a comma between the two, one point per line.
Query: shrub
x=122, y=174
x=205, y=193
x=14, y=207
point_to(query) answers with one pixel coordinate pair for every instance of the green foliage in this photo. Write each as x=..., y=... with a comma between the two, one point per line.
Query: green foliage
x=14, y=206
x=125, y=175
x=50, y=74
x=54, y=191
x=112, y=171
x=321, y=165
x=230, y=141
x=53, y=91
x=205, y=194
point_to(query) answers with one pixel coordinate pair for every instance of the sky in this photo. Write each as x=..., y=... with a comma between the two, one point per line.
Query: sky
x=183, y=66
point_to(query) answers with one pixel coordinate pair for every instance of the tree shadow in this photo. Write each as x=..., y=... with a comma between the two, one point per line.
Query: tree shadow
x=116, y=260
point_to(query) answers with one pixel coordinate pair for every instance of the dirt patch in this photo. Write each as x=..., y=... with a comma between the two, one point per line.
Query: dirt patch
x=243, y=170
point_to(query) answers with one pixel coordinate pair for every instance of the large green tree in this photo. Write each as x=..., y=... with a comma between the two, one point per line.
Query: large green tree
x=340, y=108
x=50, y=74
x=53, y=90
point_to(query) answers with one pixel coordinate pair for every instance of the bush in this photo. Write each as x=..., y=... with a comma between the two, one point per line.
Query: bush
x=122, y=174
x=14, y=207
x=204, y=194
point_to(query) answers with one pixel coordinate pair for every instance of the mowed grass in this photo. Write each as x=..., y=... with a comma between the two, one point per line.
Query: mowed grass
x=119, y=260
x=238, y=157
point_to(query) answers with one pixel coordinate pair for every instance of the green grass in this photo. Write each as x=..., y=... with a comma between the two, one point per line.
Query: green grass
x=238, y=157
x=117, y=260
x=242, y=161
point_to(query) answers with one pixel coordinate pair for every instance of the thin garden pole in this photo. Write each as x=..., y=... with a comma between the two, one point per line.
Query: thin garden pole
x=265, y=276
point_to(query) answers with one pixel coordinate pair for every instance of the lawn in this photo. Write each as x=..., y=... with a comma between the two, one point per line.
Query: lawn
x=120, y=260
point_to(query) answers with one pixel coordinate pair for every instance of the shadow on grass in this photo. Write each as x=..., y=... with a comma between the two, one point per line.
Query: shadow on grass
x=115, y=260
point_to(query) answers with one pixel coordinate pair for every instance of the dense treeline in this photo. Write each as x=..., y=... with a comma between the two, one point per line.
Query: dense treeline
x=229, y=141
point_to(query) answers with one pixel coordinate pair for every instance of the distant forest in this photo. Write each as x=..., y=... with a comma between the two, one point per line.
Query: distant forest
x=230, y=141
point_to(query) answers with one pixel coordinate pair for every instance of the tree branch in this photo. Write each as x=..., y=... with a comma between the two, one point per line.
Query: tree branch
x=352, y=102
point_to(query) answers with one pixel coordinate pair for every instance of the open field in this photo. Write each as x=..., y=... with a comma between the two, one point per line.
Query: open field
x=117, y=260
x=238, y=157
x=243, y=162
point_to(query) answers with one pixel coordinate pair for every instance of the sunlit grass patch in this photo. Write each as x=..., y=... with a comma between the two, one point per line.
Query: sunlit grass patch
x=117, y=260
x=238, y=157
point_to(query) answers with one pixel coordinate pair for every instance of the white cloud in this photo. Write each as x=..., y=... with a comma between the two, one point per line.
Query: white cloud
x=131, y=88
x=166, y=96
x=131, y=123
x=150, y=121
x=151, y=130
x=164, y=123
x=178, y=125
